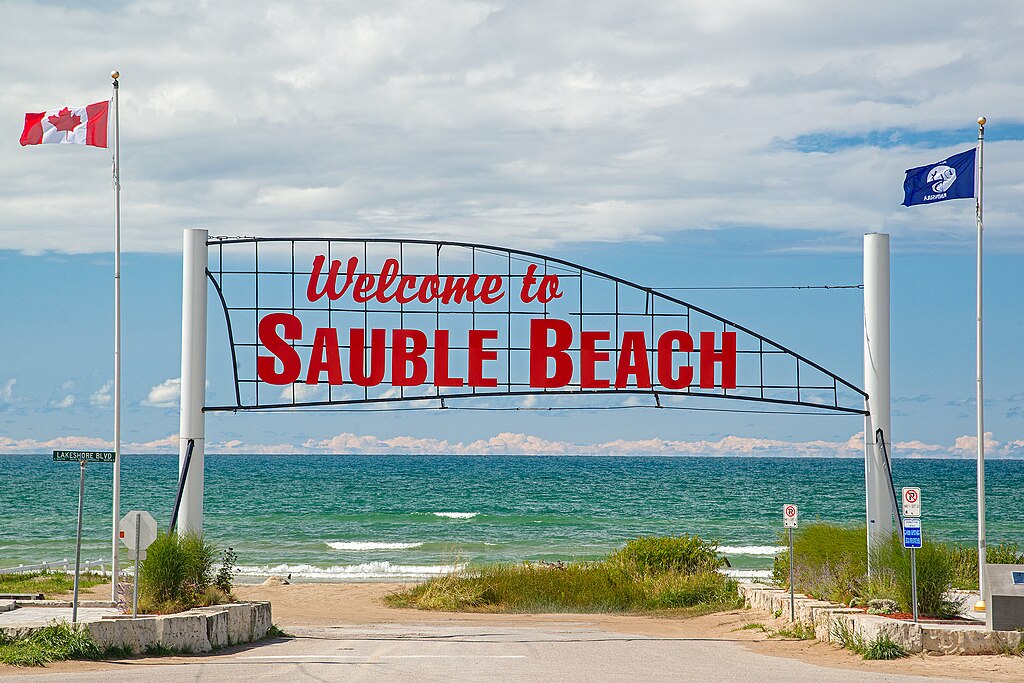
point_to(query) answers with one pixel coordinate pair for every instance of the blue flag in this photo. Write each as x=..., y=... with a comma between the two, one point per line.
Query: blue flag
x=952, y=178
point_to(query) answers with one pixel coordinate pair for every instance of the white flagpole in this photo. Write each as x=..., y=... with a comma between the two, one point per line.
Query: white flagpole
x=115, y=567
x=980, y=398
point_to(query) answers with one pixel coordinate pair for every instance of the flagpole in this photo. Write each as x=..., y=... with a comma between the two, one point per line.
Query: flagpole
x=115, y=567
x=980, y=398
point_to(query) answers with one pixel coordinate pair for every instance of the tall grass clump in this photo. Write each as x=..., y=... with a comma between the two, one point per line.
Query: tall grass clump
x=831, y=561
x=660, y=554
x=50, y=644
x=965, y=561
x=648, y=574
x=890, y=562
x=178, y=574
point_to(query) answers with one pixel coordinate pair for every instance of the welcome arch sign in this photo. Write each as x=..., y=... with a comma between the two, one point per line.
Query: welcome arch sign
x=320, y=322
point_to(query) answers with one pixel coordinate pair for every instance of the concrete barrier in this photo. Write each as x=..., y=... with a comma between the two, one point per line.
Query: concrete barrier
x=138, y=635
x=198, y=630
x=827, y=618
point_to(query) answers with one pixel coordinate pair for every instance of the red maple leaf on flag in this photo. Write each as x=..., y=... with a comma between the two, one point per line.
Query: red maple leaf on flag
x=65, y=120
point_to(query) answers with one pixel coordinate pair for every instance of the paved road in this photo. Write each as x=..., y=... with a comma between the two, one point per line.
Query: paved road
x=551, y=652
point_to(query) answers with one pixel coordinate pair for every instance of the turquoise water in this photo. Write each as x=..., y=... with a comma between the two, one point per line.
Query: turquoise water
x=375, y=517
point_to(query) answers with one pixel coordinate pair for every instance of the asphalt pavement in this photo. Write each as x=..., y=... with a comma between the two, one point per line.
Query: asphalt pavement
x=448, y=652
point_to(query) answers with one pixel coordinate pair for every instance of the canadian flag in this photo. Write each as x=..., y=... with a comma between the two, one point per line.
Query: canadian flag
x=68, y=126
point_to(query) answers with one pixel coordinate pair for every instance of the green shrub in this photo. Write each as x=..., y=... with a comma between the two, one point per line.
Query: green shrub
x=890, y=568
x=50, y=644
x=884, y=647
x=965, y=561
x=660, y=554
x=177, y=573
x=225, y=576
x=831, y=561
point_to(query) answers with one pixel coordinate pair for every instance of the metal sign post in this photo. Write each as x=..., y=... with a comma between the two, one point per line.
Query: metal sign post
x=912, y=541
x=135, y=589
x=78, y=540
x=143, y=534
x=789, y=521
x=81, y=457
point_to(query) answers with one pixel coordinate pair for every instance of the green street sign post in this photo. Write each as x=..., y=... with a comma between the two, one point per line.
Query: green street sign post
x=81, y=457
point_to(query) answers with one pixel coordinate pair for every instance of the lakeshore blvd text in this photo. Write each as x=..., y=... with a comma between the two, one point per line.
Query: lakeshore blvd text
x=558, y=355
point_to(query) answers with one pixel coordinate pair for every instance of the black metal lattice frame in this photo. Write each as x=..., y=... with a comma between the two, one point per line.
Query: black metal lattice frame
x=567, y=271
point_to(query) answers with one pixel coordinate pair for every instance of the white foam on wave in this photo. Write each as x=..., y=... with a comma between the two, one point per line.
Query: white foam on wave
x=760, y=550
x=371, y=545
x=352, y=572
x=456, y=515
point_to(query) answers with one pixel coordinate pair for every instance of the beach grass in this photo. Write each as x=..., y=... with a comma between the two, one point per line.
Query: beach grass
x=50, y=644
x=831, y=564
x=178, y=574
x=965, y=561
x=47, y=583
x=650, y=574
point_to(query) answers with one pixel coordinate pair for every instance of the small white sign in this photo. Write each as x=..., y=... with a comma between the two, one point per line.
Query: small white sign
x=911, y=501
x=147, y=529
x=789, y=513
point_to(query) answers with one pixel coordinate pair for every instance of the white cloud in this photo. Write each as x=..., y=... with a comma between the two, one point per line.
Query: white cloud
x=63, y=403
x=102, y=396
x=301, y=392
x=512, y=443
x=515, y=443
x=167, y=394
x=7, y=391
x=529, y=122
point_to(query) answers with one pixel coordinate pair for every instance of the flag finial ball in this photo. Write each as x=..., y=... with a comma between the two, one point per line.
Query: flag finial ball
x=115, y=74
x=981, y=120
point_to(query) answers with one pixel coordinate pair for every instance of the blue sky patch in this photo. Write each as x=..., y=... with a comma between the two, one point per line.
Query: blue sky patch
x=836, y=141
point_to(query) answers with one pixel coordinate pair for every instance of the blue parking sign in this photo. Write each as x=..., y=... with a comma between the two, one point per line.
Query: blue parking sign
x=912, y=532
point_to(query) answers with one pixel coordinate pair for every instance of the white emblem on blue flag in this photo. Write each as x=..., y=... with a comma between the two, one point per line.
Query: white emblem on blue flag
x=942, y=178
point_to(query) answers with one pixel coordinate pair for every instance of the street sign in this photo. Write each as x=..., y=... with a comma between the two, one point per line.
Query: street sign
x=912, y=532
x=79, y=456
x=147, y=529
x=789, y=516
x=911, y=501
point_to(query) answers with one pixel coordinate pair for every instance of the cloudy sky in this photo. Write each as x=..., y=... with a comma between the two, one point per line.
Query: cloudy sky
x=684, y=144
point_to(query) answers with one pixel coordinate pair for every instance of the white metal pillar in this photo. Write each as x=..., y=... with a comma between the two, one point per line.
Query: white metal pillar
x=193, y=376
x=880, y=510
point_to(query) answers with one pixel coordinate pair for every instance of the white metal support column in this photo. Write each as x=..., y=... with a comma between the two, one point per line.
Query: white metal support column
x=880, y=510
x=193, y=376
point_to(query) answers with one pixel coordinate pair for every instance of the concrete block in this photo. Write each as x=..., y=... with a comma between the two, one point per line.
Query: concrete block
x=184, y=632
x=216, y=625
x=137, y=634
x=239, y=623
x=261, y=619
x=960, y=641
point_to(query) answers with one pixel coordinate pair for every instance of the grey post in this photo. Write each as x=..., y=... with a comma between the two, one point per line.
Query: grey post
x=792, y=597
x=135, y=596
x=913, y=581
x=78, y=539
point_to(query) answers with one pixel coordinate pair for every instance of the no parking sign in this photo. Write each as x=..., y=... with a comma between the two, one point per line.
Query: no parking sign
x=789, y=516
